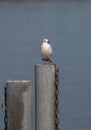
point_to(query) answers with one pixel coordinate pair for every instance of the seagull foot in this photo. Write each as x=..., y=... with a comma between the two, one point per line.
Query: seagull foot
x=47, y=60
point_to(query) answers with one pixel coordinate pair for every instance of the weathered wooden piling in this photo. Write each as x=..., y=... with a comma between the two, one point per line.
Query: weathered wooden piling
x=19, y=105
x=45, y=110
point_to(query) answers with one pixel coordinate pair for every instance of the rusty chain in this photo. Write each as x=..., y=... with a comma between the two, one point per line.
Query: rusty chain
x=5, y=117
x=57, y=97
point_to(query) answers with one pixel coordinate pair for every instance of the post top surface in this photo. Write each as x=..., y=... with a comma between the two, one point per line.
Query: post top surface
x=45, y=64
x=15, y=81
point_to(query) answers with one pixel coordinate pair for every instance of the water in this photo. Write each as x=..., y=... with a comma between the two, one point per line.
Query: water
x=67, y=26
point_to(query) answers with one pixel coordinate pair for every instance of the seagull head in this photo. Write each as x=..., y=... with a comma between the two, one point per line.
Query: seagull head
x=46, y=40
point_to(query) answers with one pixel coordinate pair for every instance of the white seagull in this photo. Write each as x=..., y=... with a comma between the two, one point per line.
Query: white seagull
x=46, y=51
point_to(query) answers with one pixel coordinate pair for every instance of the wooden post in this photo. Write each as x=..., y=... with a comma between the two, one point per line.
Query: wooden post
x=45, y=97
x=19, y=104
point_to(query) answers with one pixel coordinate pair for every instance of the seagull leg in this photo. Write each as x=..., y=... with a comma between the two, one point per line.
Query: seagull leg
x=50, y=61
x=47, y=60
x=42, y=59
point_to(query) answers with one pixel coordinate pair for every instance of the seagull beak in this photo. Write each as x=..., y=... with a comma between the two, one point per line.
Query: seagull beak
x=49, y=42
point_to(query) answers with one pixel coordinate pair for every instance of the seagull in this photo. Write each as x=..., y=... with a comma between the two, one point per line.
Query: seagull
x=46, y=51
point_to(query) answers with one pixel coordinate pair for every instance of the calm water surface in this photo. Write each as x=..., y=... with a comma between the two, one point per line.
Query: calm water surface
x=68, y=27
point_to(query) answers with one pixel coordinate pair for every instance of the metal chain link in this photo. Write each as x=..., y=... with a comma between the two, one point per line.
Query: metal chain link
x=57, y=97
x=5, y=117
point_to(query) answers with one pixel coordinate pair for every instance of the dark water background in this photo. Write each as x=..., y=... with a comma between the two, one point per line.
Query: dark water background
x=67, y=25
